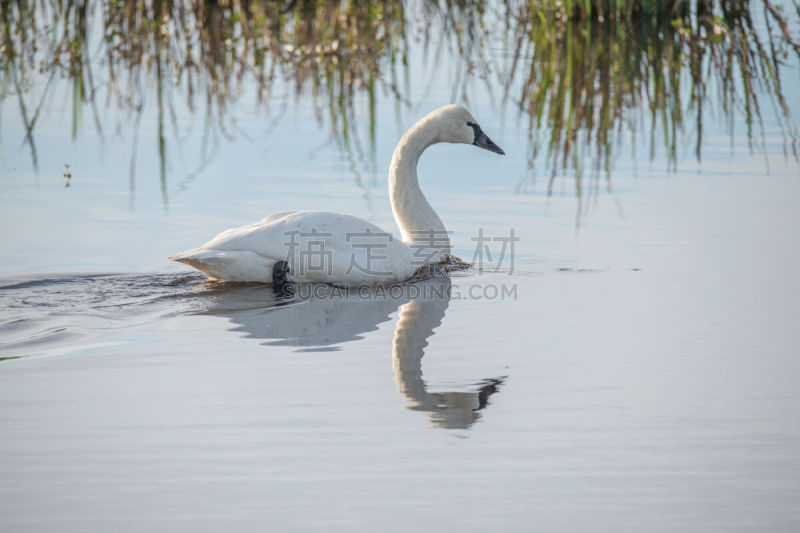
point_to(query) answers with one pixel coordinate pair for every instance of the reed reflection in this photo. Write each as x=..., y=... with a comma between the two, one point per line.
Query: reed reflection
x=583, y=76
x=601, y=71
x=321, y=319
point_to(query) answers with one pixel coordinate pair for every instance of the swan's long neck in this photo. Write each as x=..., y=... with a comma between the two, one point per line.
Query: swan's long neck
x=418, y=222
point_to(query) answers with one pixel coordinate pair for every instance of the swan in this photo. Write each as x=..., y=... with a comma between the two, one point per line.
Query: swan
x=342, y=250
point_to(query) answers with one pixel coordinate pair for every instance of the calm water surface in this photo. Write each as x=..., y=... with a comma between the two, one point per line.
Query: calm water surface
x=634, y=368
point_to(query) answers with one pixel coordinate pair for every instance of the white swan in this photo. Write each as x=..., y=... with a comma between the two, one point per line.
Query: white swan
x=314, y=246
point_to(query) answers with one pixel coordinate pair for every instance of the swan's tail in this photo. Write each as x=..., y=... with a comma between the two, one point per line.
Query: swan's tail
x=228, y=265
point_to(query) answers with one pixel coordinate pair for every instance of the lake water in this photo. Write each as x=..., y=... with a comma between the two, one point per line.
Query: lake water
x=633, y=366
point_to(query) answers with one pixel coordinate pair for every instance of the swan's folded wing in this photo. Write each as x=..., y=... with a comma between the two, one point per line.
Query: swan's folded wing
x=265, y=238
x=319, y=246
x=277, y=234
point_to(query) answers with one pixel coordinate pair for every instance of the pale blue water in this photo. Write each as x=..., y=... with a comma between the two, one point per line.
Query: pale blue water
x=638, y=370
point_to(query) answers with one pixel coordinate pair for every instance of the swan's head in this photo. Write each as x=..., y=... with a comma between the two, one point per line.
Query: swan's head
x=457, y=125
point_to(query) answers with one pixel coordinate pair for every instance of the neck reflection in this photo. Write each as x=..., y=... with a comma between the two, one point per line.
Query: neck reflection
x=416, y=323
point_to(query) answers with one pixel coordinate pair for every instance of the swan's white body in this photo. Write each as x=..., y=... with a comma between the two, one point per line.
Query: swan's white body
x=248, y=253
x=341, y=249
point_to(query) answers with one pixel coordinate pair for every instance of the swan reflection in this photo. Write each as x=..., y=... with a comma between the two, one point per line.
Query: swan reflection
x=320, y=317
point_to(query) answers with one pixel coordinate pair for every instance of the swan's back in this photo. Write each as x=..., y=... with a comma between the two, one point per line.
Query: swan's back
x=318, y=245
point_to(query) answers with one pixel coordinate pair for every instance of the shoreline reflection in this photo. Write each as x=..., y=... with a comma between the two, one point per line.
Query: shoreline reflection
x=582, y=79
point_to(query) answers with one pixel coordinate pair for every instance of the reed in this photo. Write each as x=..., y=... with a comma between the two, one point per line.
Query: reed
x=585, y=75
x=591, y=70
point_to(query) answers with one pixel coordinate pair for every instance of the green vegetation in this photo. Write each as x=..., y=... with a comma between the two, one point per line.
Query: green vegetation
x=584, y=74
x=591, y=70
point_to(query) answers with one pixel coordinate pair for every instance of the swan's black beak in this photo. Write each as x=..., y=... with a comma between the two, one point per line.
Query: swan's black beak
x=483, y=141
